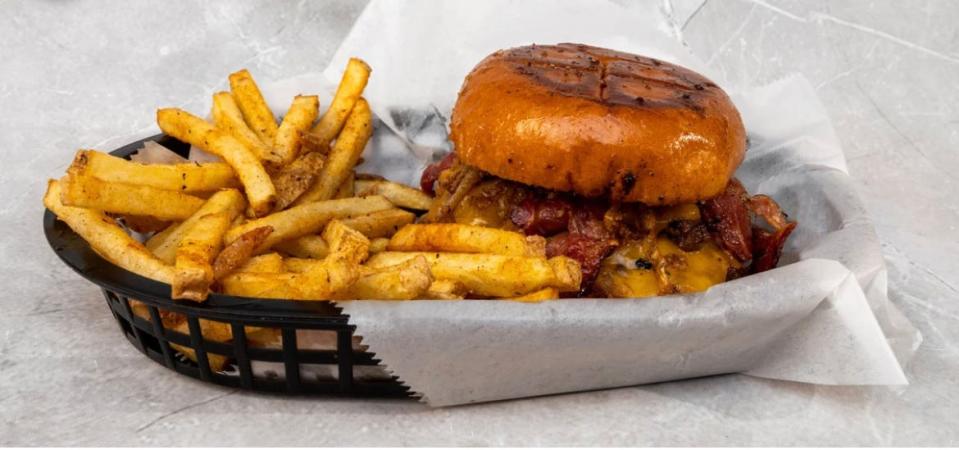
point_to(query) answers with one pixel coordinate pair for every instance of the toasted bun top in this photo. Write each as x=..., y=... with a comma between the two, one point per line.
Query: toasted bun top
x=598, y=122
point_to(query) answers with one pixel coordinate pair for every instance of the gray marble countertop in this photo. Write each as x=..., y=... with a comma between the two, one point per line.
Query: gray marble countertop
x=78, y=73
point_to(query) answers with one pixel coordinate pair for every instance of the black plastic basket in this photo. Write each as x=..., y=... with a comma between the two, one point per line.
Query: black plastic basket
x=341, y=368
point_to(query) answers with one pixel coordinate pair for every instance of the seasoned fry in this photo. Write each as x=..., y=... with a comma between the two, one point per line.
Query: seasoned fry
x=346, y=242
x=309, y=218
x=459, y=238
x=548, y=293
x=294, y=179
x=398, y=194
x=194, y=256
x=296, y=122
x=255, y=110
x=378, y=245
x=309, y=246
x=239, y=251
x=119, y=198
x=227, y=117
x=405, y=281
x=381, y=223
x=191, y=129
x=568, y=274
x=493, y=275
x=446, y=290
x=346, y=188
x=107, y=238
x=164, y=245
x=162, y=235
x=344, y=155
x=351, y=86
x=187, y=177
x=300, y=265
x=266, y=263
x=319, y=283
x=265, y=285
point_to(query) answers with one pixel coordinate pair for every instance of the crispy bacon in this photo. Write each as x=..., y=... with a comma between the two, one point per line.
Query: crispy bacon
x=769, y=246
x=768, y=209
x=727, y=219
x=543, y=217
x=582, y=236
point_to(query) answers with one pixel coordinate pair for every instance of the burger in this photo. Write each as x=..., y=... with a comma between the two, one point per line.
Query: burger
x=622, y=162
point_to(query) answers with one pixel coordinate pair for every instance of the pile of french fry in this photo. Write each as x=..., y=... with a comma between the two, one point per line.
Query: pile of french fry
x=286, y=216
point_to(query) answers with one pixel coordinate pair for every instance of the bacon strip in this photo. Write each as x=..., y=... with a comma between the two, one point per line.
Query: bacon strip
x=769, y=247
x=543, y=217
x=768, y=209
x=727, y=219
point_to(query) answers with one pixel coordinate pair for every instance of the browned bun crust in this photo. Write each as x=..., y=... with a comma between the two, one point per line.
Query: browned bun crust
x=598, y=122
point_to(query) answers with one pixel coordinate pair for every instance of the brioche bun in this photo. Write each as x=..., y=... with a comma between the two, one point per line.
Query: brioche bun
x=598, y=122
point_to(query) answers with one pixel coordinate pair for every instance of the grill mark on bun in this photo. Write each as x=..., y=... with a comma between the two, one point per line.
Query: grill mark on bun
x=608, y=77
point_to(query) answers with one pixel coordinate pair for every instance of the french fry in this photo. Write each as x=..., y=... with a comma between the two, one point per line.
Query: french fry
x=119, y=198
x=547, y=293
x=265, y=285
x=378, y=245
x=308, y=219
x=164, y=244
x=297, y=121
x=162, y=235
x=295, y=178
x=346, y=188
x=493, y=275
x=239, y=251
x=405, y=281
x=309, y=246
x=265, y=263
x=300, y=265
x=346, y=242
x=381, y=223
x=254, y=108
x=347, y=95
x=446, y=290
x=319, y=283
x=194, y=257
x=398, y=194
x=460, y=238
x=107, y=238
x=228, y=117
x=193, y=130
x=568, y=274
x=188, y=177
x=344, y=155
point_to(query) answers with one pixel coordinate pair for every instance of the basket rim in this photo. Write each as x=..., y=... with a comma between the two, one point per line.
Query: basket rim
x=80, y=256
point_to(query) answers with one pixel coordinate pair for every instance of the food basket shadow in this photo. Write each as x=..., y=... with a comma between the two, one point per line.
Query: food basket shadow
x=312, y=349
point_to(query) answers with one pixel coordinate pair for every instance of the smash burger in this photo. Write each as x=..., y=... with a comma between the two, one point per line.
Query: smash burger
x=624, y=163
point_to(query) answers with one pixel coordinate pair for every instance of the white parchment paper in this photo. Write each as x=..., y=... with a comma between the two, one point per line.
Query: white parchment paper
x=821, y=317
